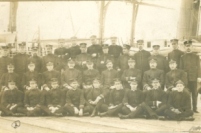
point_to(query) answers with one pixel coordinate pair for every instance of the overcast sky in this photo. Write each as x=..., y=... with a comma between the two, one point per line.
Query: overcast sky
x=66, y=19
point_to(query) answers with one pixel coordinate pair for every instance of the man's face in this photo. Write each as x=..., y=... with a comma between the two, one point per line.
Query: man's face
x=96, y=84
x=93, y=40
x=174, y=45
x=173, y=66
x=22, y=49
x=10, y=68
x=131, y=64
x=113, y=40
x=153, y=64
x=118, y=85
x=4, y=52
x=109, y=65
x=125, y=51
x=34, y=52
x=71, y=65
x=50, y=67
x=54, y=85
x=105, y=50
x=83, y=49
x=180, y=87
x=11, y=86
x=49, y=50
x=188, y=48
x=140, y=45
x=74, y=84
x=74, y=42
x=155, y=84
x=33, y=85
x=156, y=49
x=133, y=85
x=31, y=67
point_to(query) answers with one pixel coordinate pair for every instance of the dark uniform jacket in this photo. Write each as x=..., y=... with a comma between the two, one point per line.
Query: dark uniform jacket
x=32, y=98
x=48, y=75
x=74, y=51
x=123, y=62
x=156, y=95
x=133, y=98
x=116, y=96
x=63, y=56
x=31, y=76
x=175, y=55
x=173, y=76
x=69, y=74
x=56, y=97
x=180, y=100
x=20, y=63
x=190, y=63
x=101, y=61
x=4, y=61
x=151, y=75
x=161, y=62
x=10, y=97
x=90, y=75
x=131, y=72
x=108, y=76
x=50, y=58
x=141, y=59
x=75, y=98
x=95, y=49
x=38, y=62
x=10, y=77
x=115, y=50
x=83, y=57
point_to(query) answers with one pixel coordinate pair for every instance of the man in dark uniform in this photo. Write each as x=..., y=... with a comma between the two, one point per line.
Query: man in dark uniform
x=123, y=59
x=115, y=50
x=95, y=49
x=74, y=100
x=151, y=74
x=49, y=74
x=108, y=76
x=4, y=60
x=10, y=75
x=20, y=60
x=71, y=73
x=132, y=102
x=31, y=74
x=101, y=61
x=74, y=50
x=141, y=57
x=32, y=100
x=174, y=75
x=36, y=59
x=179, y=104
x=131, y=74
x=12, y=100
x=161, y=60
x=50, y=57
x=156, y=101
x=90, y=74
x=190, y=63
x=82, y=58
x=115, y=100
x=175, y=54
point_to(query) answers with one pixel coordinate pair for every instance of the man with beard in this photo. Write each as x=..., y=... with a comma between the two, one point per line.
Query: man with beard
x=190, y=63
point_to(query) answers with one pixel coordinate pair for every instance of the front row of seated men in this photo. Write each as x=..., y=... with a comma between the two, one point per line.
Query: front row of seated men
x=119, y=101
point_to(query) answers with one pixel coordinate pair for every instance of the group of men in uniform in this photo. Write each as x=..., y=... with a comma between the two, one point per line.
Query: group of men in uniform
x=102, y=80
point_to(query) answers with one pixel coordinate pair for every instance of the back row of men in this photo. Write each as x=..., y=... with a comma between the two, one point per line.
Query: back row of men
x=108, y=62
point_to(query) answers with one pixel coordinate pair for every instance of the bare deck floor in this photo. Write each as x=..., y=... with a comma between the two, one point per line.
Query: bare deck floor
x=96, y=124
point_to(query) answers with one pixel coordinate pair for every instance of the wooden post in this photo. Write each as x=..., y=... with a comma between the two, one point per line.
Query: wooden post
x=12, y=17
x=133, y=25
x=101, y=22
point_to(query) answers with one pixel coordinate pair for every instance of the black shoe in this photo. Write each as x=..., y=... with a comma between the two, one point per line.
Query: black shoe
x=195, y=111
x=163, y=118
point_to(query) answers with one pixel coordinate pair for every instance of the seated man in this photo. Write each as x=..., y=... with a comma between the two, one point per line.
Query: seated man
x=115, y=100
x=32, y=100
x=11, y=100
x=96, y=98
x=132, y=102
x=74, y=100
x=155, y=101
x=179, y=104
x=55, y=99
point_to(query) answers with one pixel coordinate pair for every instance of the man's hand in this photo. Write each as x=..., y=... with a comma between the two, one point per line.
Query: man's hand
x=13, y=106
x=94, y=55
x=111, y=107
x=174, y=89
x=112, y=87
x=148, y=88
x=132, y=109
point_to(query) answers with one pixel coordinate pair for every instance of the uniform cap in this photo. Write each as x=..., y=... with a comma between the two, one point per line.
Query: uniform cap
x=83, y=45
x=10, y=65
x=34, y=48
x=5, y=47
x=49, y=64
x=89, y=62
x=117, y=80
x=96, y=80
x=152, y=60
x=54, y=80
x=108, y=61
x=22, y=44
x=72, y=81
x=126, y=46
x=155, y=80
x=131, y=60
x=172, y=61
x=174, y=40
x=70, y=61
x=11, y=82
x=179, y=82
x=133, y=81
x=105, y=46
x=188, y=43
x=32, y=81
x=140, y=41
x=31, y=63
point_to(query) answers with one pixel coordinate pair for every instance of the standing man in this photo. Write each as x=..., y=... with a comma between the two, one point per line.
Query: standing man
x=141, y=57
x=95, y=49
x=115, y=50
x=190, y=63
x=74, y=50
x=21, y=60
x=175, y=54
